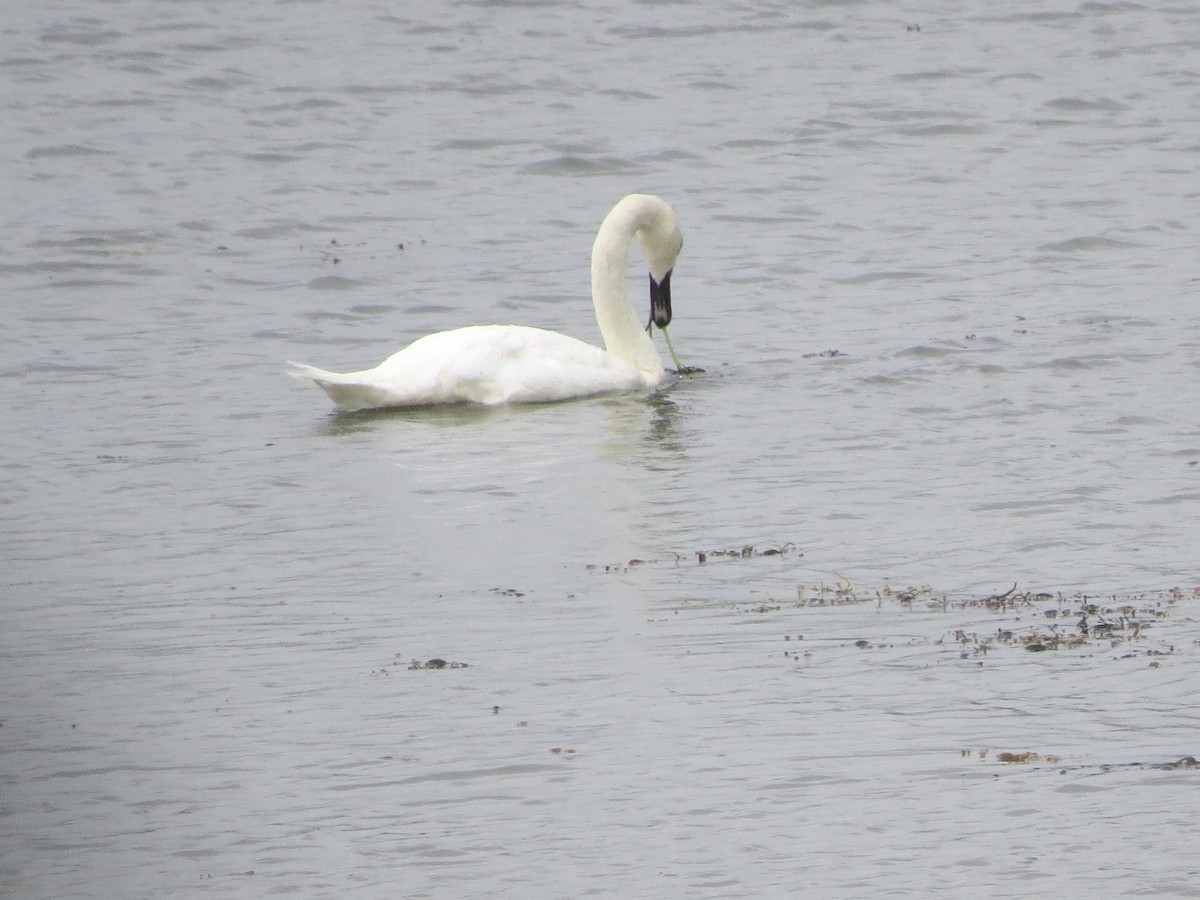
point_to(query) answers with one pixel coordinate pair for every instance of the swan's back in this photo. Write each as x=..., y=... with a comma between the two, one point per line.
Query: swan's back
x=487, y=364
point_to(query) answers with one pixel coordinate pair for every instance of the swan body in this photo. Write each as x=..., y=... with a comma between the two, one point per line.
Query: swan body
x=493, y=364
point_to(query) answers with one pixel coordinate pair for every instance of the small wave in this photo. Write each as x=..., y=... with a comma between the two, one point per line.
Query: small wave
x=937, y=75
x=939, y=130
x=929, y=351
x=1085, y=244
x=61, y=150
x=334, y=283
x=576, y=166
x=1074, y=363
x=1079, y=104
x=888, y=275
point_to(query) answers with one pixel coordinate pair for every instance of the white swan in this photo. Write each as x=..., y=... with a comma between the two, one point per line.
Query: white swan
x=518, y=364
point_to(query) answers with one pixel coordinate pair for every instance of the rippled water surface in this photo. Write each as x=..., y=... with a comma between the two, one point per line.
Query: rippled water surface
x=941, y=273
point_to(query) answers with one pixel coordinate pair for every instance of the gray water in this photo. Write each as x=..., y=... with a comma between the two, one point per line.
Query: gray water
x=941, y=273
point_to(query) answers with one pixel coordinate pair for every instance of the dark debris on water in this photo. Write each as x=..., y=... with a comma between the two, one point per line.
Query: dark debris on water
x=746, y=551
x=1025, y=757
x=415, y=664
x=1036, y=622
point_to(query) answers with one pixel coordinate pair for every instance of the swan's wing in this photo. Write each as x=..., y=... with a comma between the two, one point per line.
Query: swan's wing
x=481, y=364
x=502, y=364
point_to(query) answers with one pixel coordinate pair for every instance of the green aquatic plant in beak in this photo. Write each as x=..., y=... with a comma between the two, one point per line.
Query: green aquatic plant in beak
x=680, y=368
x=660, y=315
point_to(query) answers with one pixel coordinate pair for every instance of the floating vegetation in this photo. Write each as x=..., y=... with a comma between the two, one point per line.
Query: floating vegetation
x=1005, y=756
x=1072, y=623
x=610, y=568
x=1035, y=622
x=843, y=592
x=823, y=354
x=746, y=551
x=416, y=664
x=1185, y=762
x=436, y=663
x=1027, y=756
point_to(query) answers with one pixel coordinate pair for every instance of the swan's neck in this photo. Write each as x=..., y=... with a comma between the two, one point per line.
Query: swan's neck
x=625, y=336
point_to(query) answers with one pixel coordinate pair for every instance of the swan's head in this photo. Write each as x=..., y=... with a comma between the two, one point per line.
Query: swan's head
x=661, y=242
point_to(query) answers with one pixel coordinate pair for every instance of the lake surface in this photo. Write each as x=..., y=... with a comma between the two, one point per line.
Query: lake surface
x=765, y=633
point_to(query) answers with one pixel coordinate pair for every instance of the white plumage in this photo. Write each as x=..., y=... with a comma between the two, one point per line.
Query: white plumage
x=517, y=364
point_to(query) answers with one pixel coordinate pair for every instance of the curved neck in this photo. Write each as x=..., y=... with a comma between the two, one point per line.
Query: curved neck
x=624, y=333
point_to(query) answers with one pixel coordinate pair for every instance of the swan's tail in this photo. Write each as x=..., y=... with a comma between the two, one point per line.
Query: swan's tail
x=346, y=390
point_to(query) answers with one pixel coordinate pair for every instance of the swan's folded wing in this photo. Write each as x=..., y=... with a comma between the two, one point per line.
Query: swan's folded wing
x=529, y=365
x=506, y=364
x=487, y=364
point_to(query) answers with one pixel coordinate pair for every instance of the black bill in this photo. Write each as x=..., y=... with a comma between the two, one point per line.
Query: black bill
x=660, y=302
